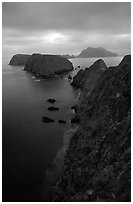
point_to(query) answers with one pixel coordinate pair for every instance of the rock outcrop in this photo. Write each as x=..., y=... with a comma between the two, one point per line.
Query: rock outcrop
x=47, y=65
x=47, y=119
x=51, y=100
x=19, y=59
x=90, y=74
x=98, y=161
x=96, y=52
x=53, y=108
x=62, y=121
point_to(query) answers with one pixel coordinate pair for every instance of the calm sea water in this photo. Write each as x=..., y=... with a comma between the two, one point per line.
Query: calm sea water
x=28, y=144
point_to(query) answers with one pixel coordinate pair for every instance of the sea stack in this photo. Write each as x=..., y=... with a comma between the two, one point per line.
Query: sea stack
x=47, y=65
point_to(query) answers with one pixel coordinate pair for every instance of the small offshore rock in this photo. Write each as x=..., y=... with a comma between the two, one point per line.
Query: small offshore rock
x=62, y=121
x=51, y=100
x=53, y=108
x=75, y=108
x=47, y=120
x=69, y=77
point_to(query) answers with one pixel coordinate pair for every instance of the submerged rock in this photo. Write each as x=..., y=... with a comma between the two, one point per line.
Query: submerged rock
x=51, y=100
x=19, y=59
x=53, y=108
x=97, y=164
x=61, y=121
x=47, y=120
x=69, y=77
x=47, y=65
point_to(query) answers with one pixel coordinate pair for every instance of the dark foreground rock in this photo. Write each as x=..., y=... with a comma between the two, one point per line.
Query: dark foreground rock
x=47, y=120
x=19, y=59
x=53, y=108
x=97, y=164
x=51, y=100
x=47, y=65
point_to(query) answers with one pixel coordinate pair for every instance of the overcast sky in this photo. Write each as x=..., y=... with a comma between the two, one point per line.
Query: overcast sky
x=61, y=28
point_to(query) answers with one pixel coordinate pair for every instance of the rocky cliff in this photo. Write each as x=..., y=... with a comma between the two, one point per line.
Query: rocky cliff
x=98, y=161
x=90, y=74
x=47, y=65
x=96, y=52
x=19, y=59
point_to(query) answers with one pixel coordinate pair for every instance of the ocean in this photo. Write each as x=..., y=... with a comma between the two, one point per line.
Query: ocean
x=29, y=145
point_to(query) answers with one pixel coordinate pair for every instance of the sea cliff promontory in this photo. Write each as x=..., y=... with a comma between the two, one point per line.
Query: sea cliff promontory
x=97, y=163
x=19, y=59
x=47, y=65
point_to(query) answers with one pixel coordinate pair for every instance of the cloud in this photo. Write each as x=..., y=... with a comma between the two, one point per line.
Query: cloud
x=87, y=15
x=66, y=27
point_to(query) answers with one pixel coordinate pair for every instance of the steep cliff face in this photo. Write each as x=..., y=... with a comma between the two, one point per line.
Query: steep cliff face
x=97, y=163
x=19, y=59
x=90, y=74
x=46, y=65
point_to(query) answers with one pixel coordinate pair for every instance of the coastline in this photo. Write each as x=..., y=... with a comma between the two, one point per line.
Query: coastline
x=54, y=172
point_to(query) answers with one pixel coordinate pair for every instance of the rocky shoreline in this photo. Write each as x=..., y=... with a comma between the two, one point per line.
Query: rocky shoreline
x=55, y=171
x=96, y=166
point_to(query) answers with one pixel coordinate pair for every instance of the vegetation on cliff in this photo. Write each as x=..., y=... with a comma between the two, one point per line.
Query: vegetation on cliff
x=98, y=161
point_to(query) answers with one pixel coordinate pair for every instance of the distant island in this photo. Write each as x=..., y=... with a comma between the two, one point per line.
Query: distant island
x=21, y=59
x=96, y=52
x=67, y=56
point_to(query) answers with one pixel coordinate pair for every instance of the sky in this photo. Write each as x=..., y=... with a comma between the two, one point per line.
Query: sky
x=65, y=27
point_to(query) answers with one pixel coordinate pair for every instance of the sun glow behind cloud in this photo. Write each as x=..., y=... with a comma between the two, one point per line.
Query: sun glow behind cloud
x=55, y=38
